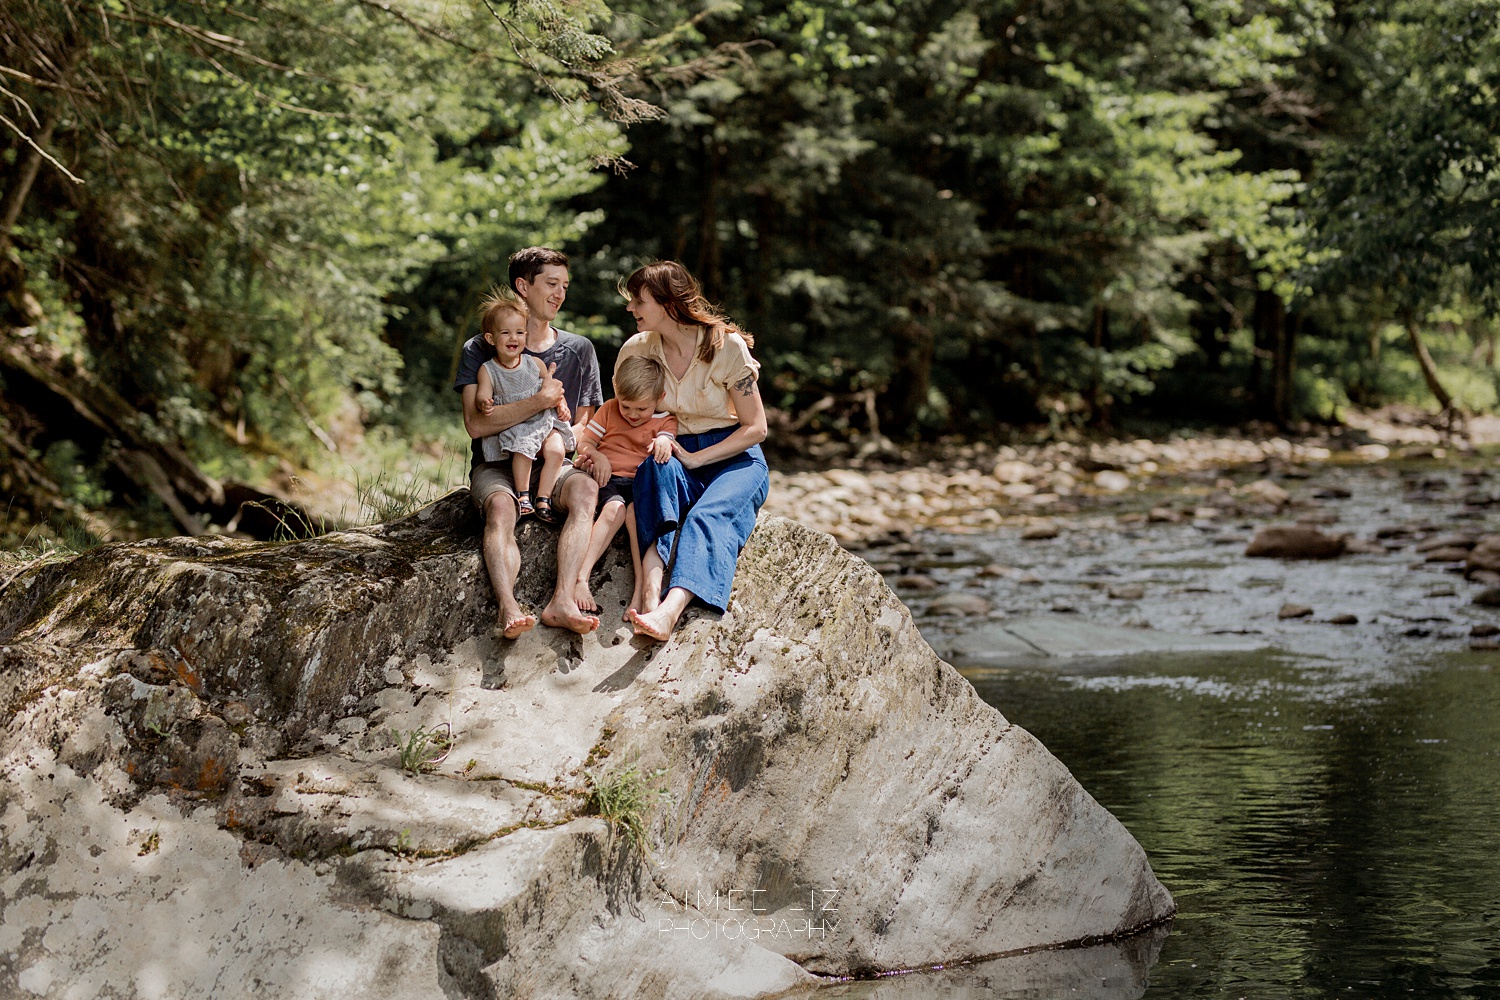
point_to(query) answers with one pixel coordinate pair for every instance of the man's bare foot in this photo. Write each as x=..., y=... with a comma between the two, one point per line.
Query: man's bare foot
x=568, y=616
x=656, y=624
x=517, y=624
x=584, y=598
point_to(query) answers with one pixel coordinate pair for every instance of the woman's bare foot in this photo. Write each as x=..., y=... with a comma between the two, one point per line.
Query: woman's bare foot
x=567, y=615
x=650, y=600
x=584, y=597
x=515, y=625
x=656, y=624
x=634, y=605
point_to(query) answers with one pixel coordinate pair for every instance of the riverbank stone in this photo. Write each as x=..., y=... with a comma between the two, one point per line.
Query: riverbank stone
x=1293, y=541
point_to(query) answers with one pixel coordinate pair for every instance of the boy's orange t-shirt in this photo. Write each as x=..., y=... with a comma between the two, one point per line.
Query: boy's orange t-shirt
x=625, y=446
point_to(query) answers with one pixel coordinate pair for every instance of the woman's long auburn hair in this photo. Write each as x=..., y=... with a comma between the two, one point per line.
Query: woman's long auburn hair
x=680, y=295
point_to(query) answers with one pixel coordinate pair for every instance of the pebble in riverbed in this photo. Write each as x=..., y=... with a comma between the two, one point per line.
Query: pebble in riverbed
x=958, y=604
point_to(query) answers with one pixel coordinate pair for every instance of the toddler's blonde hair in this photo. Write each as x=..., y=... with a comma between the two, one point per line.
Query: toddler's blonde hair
x=496, y=304
x=640, y=378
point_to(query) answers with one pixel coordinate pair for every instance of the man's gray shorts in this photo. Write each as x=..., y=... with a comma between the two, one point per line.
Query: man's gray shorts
x=489, y=478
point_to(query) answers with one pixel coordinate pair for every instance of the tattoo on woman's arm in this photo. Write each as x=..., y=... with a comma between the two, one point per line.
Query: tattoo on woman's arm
x=746, y=385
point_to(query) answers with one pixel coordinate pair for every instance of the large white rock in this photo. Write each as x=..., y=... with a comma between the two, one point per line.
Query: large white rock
x=837, y=800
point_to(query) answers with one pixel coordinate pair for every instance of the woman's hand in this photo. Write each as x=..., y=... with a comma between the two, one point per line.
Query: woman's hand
x=661, y=449
x=689, y=459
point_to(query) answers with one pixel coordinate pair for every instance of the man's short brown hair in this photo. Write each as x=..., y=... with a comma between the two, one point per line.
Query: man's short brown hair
x=528, y=263
x=639, y=378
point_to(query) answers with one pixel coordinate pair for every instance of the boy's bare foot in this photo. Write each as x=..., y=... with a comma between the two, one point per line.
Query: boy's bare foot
x=567, y=615
x=634, y=605
x=656, y=624
x=584, y=598
x=517, y=624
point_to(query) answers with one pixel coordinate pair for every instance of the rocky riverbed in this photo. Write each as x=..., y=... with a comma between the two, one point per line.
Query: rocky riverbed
x=1401, y=559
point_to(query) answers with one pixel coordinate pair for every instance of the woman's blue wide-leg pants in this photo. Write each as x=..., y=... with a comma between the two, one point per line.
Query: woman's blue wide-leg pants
x=704, y=514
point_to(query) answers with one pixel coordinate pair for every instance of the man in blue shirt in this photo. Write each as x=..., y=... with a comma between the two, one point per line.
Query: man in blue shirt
x=539, y=276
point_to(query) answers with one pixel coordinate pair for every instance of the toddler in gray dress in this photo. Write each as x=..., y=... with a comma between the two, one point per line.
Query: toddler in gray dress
x=511, y=376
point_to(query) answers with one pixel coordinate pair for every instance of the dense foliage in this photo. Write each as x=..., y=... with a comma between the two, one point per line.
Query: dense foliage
x=264, y=224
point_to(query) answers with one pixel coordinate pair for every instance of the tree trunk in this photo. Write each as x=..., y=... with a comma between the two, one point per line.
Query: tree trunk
x=12, y=275
x=1284, y=364
x=1424, y=361
x=710, y=270
x=28, y=163
x=1098, y=403
x=1267, y=322
x=907, y=392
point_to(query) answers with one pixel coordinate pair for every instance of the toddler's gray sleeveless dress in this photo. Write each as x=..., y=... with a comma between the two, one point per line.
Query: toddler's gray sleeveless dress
x=511, y=385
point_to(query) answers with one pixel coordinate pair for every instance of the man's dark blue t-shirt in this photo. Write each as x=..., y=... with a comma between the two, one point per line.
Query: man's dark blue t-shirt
x=577, y=369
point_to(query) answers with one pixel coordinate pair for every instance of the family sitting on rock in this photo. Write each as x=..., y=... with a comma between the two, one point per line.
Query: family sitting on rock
x=675, y=455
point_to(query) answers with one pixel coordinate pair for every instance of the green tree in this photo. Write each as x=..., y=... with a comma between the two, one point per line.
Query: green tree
x=1408, y=204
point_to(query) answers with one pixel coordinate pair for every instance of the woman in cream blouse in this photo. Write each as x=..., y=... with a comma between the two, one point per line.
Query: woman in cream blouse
x=696, y=511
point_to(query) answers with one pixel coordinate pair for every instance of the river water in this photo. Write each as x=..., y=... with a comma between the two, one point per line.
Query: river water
x=1324, y=810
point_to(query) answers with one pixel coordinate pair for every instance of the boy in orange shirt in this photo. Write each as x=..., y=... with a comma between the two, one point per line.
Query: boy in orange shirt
x=621, y=435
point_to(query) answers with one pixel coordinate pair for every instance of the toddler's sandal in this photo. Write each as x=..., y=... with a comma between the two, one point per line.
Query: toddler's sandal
x=544, y=511
x=524, y=506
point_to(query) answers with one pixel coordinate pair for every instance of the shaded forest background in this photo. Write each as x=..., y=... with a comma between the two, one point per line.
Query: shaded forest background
x=242, y=242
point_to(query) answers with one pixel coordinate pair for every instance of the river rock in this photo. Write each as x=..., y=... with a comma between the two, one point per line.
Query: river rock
x=1009, y=472
x=1488, y=597
x=1040, y=531
x=1453, y=554
x=1450, y=541
x=916, y=581
x=1484, y=630
x=827, y=780
x=1485, y=555
x=1111, y=481
x=958, y=604
x=1265, y=491
x=1363, y=547
x=1344, y=619
x=1127, y=592
x=1294, y=541
x=1294, y=611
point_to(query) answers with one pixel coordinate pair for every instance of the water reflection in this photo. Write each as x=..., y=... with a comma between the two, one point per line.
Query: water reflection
x=1116, y=971
x=1316, y=845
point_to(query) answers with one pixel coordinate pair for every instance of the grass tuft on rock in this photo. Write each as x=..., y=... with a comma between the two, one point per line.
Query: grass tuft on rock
x=626, y=800
x=423, y=749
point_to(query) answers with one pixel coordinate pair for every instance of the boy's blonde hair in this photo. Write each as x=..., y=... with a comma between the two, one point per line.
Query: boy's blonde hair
x=639, y=378
x=495, y=305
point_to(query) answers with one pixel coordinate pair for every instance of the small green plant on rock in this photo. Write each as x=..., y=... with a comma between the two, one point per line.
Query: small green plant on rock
x=151, y=844
x=423, y=749
x=624, y=800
